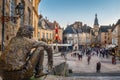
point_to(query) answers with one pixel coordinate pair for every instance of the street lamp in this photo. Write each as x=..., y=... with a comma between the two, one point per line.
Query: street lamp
x=19, y=10
x=3, y=11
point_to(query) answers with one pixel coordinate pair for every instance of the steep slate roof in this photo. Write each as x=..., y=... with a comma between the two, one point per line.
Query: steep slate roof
x=48, y=24
x=51, y=25
x=79, y=30
x=40, y=24
x=69, y=30
x=118, y=22
x=86, y=29
x=105, y=28
x=114, y=26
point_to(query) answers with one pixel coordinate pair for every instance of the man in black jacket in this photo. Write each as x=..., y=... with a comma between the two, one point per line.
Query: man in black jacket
x=98, y=67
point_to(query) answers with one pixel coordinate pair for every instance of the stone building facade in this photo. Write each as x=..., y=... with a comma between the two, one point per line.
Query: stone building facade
x=46, y=30
x=30, y=17
x=116, y=35
x=70, y=37
x=77, y=35
x=105, y=35
x=35, y=17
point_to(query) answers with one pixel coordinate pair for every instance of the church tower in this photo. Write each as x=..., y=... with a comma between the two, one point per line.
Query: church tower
x=96, y=21
x=96, y=25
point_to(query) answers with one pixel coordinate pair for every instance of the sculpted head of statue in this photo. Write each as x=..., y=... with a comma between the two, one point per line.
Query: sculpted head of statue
x=25, y=31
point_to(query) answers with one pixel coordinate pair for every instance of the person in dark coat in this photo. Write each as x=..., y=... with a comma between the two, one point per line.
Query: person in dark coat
x=98, y=67
x=88, y=59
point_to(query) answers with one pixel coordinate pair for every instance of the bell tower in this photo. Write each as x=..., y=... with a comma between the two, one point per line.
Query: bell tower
x=96, y=30
x=96, y=25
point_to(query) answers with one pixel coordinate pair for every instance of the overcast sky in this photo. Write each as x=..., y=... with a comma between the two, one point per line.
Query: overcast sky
x=68, y=11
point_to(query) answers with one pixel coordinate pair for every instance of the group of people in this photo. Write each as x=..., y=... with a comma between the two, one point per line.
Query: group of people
x=77, y=54
x=80, y=55
x=89, y=52
x=96, y=51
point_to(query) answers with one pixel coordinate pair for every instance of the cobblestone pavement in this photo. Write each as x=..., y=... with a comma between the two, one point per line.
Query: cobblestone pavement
x=83, y=67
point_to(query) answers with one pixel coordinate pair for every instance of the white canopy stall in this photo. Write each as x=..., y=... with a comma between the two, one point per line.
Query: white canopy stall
x=56, y=45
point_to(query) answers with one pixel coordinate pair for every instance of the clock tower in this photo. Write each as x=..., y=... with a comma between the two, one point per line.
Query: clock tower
x=96, y=25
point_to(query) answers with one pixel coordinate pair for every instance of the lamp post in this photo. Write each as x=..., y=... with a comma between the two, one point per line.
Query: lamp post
x=3, y=11
x=19, y=10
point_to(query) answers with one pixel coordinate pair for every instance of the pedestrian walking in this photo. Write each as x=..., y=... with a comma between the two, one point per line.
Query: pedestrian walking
x=80, y=55
x=98, y=67
x=65, y=55
x=88, y=59
x=74, y=54
x=113, y=60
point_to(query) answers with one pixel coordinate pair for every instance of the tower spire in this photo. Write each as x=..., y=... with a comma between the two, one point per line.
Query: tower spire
x=96, y=20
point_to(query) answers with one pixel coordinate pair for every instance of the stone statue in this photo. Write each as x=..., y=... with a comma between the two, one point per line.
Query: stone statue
x=23, y=57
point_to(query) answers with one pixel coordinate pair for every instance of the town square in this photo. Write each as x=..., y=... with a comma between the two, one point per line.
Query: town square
x=59, y=40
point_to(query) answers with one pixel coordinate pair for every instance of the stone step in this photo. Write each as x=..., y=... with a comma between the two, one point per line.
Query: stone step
x=94, y=74
x=51, y=77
